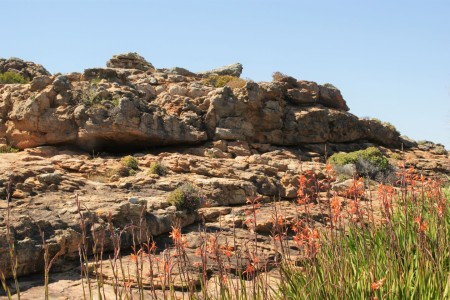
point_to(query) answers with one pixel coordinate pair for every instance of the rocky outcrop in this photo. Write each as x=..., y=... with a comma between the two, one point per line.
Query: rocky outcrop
x=123, y=107
x=27, y=69
x=130, y=60
x=230, y=70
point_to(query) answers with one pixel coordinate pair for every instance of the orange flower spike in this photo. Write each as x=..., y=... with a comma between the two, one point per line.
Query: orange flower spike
x=152, y=247
x=224, y=279
x=423, y=226
x=315, y=234
x=441, y=209
x=227, y=252
x=249, y=269
x=134, y=258
x=175, y=234
x=302, y=180
x=377, y=284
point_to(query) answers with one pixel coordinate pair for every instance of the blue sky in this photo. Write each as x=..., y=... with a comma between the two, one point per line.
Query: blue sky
x=391, y=59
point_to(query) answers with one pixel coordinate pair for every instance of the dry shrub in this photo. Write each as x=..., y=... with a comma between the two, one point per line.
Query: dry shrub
x=225, y=80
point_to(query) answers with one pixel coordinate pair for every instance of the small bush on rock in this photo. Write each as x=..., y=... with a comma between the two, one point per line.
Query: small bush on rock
x=225, y=80
x=130, y=162
x=121, y=171
x=186, y=198
x=157, y=168
x=278, y=76
x=369, y=162
x=12, y=77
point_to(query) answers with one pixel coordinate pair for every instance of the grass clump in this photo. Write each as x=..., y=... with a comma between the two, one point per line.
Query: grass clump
x=369, y=162
x=157, y=169
x=12, y=77
x=8, y=149
x=186, y=198
x=130, y=162
x=225, y=80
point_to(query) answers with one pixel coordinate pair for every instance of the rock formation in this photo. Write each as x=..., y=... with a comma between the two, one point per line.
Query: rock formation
x=230, y=143
x=130, y=60
x=130, y=104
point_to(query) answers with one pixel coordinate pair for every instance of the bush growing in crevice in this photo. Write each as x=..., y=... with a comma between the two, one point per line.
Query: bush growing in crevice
x=12, y=77
x=186, y=197
x=370, y=162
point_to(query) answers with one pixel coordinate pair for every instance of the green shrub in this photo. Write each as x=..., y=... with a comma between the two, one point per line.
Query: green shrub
x=186, y=198
x=12, y=77
x=8, y=149
x=369, y=162
x=157, y=168
x=130, y=162
x=225, y=80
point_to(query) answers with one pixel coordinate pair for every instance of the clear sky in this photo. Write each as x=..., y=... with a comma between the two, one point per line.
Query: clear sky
x=390, y=58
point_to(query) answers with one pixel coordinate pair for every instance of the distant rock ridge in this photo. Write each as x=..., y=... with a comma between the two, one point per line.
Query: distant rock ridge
x=132, y=104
